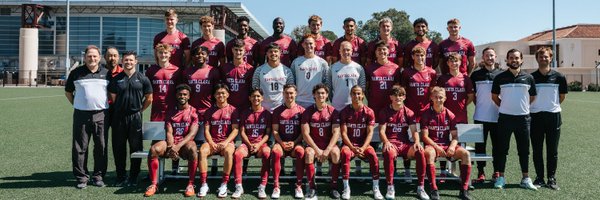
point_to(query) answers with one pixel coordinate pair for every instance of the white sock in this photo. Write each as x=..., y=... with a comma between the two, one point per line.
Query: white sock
x=375, y=183
x=238, y=185
x=204, y=185
x=420, y=187
x=346, y=183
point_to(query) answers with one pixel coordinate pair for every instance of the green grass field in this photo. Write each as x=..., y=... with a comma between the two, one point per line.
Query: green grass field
x=35, y=131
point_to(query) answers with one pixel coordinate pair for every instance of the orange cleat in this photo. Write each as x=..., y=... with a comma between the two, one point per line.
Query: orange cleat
x=151, y=190
x=189, y=191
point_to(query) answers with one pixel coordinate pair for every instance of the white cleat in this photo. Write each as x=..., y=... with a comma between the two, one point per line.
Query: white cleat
x=346, y=193
x=391, y=192
x=376, y=193
x=203, y=190
x=422, y=194
x=262, y=194
x=528, y=184
x=298, y=194
x=239, y=190
x=222, y=191
x=276, y=193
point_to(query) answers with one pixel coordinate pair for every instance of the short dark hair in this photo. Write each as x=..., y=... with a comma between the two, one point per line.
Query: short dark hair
x=260, y=91
x=286, y=86
x=182, y=86
x=320, y=86
x=488, y=48
x=130, y=53
x=219, y=86
x=237, y=43
x=419, y=21
x=513, y=51
x=349, y=19
x=356, y=86
x=381, y=43
x=110, y=47
x=398, y=90
x=242, y=19
x=90, y=47
x=199, y=49
x=273, y=45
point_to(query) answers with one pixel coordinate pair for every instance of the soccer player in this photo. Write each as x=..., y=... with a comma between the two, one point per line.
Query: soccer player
x=250, y=44
x=220, y=129
x=322, y=46
x=181, y=125
x=356, y=123
x=321, y=130
x=287, y=45
x=381, y=76
x=385, y=34
x=418, y=79
x=216, y=48
x=438, y=124
x=179, y=42
x=459, y=44
x=237, y=74
x=255, y=128
x=486, y=112
x=288, y=139
x=421, y=28
x=309, y=70
x=458, y=87
x=345, y=74
x=545, y=117
x=358, y=45
x=513, y=91
x=131, y=94
x=396, y=122
x=164, y=76
x=271, y=76
x=86, y=91
x=201, y=76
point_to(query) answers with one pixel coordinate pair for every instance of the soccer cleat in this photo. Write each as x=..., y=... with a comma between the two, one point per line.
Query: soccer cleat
x=239, y=190
x=464, y=195
x=552, y=184
x=391, y=193
x=527, y=184
x=346, y=193
x=495, y=176
x=422, y=194
x=81, y=185
x=408, y=176
x=435, y=195
x=132, y=182
x=298, y=194
x=262, y=194
x=376, y=193
x=276, y=193
x=99, y=183
x=539, y=182
x=121, y=182
x=151, y=190
x=335, y=194
x=480, y=178
x=222, y=191
x=311, y=194
x=203, y=190
x=499, y=182
x=189, y=191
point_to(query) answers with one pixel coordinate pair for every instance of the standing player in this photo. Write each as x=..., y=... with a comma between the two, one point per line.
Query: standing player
x=181, y=125
x=320, y=130
x=545, y=117
x=286, y=44
x=458, y=87
x=164, y=78
x=358, y=45
x=179, y=42
x=385, y=34
x=438, y=124
x=220, y=129
x=381, y=76
x=255, y=126
x=201, y=76
x=357, y=123
x=249, y=43
x=237, y=74
x=421, y=28
x=216, y=48
x=322, y=47
x=309, y=70
x=513, y=91
x=271, y=76
x=345, y=74
x=286, y=131
x=459, y=44
x=418, y=79
x=486, y=112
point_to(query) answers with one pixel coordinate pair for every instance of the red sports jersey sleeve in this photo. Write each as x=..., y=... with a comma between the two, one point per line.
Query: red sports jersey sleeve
x=255, y=124
x=397, y=123
x=201, y=80
x=417, y=85
x=250, y=45
x=164, y=81
x=357, y=123
x=320, y=123
x=289, y=121
x=287, y=45
x=181, y=121
x=380, y=79
x=216, y=49
x=457, y=89
x=359, y=48
x=431, y=51
x=322, y=47
x=220, y=121
x=179, y=41
x=439, y=125
x=463, y=46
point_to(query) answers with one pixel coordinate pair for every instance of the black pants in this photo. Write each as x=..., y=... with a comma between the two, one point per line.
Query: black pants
x=507, y=124
x=86, y=125
x=545, y=125
x=127, y=129
x=491, y=129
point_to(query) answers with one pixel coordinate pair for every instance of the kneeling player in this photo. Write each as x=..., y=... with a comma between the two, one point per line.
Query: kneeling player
x=321, y=129
x=357, y=121
x=395, y=121
x=286, y=131
x=220, y=129
x=437, y=125
x=181, y=125
x=255, y=125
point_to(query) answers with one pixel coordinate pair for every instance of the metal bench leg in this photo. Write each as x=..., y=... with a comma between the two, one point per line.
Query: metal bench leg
x=357, y=164
x=213, y=168
x=319, y=171
x=161, y=170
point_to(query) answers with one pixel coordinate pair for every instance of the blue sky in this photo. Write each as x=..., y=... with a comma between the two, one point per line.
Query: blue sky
x=482, y=21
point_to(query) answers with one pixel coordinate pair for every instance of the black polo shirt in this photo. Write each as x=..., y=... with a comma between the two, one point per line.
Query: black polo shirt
x=89, y=88
x=548, y=87
x=514, y=92
x=485, y=109
x=484, y=76
x=130, y=92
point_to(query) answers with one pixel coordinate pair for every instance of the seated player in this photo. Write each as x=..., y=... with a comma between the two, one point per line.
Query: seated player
x=255, y=126
x=181, y=125
x=437, y=125
x=286, y=131
x=320, y=130
x=357, y=123
x=395, y=123
x=220, y=129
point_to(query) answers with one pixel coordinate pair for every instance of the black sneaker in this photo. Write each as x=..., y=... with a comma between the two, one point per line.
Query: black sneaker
x=539, y=182
x=335, y=194
x=121, y=182
x=552, y=184
x=464, y=195
x=311, y=194
x=132, y=182
x=434, y=195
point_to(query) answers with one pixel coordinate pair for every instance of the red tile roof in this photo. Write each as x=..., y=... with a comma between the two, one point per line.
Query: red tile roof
x=573, y=31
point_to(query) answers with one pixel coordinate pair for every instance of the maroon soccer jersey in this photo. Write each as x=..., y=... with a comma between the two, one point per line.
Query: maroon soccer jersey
x=322, y=47
x=394, y=49
x=163, y=82
x=457, y=89
x=181, y=121
x=357, y=122
x=431, y=50
x=397, y=122
x=220, y=121
x=216, y=49
x=380, y=79
x=320, y=123
x=239, y=81
x=289, y=121
x=287, y=45
x=250, y=45
x=463, y=46
x=255, y=123
x=439, y=125
x=201, y=80
x=359, y=48
x=179, y=41
x=417, y=84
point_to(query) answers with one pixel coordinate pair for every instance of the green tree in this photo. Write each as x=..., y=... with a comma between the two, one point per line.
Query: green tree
x=330, y=35
x=435, y=36
x=402, y=29
x=299, y=31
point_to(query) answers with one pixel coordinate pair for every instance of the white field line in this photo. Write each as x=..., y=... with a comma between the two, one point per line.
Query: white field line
x=34, y=97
